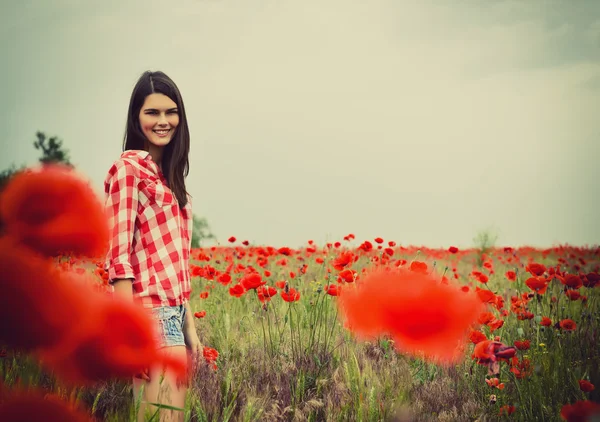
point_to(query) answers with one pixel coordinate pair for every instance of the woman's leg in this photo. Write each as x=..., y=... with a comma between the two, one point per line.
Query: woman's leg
x=162, y=388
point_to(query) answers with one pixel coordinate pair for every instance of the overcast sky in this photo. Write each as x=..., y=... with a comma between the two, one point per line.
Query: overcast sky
x=422, y=122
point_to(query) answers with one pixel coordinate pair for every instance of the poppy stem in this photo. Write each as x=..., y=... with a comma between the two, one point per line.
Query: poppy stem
x=415, y=257
x=270, y=335
x=333, y=325
x=292, y=332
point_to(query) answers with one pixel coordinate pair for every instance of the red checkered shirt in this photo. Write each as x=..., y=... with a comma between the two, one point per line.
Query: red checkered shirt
x=151, y=236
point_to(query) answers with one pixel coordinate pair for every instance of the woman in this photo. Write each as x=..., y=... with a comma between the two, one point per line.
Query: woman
x=151, y=222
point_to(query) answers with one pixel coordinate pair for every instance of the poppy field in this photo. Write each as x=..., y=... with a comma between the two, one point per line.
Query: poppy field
x=357, y=329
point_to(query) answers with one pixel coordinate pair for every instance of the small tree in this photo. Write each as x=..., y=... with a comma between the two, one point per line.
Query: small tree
x=52, y=150
x=200, y=231
x=484, y=240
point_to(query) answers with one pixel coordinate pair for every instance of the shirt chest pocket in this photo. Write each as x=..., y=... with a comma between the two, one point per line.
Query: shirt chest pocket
x=157, y=194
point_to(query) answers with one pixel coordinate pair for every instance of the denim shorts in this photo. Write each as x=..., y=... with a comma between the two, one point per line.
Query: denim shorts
x=169, y=325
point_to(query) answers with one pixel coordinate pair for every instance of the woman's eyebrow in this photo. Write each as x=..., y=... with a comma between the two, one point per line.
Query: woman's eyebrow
x=154, y=109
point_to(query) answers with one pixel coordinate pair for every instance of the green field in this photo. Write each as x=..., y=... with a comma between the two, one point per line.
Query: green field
x=280, y=360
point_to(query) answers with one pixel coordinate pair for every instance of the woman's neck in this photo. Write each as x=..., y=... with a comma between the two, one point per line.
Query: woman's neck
x=156, y=154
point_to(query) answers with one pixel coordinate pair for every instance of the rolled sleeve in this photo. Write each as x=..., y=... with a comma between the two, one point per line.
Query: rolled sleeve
x=121, y=206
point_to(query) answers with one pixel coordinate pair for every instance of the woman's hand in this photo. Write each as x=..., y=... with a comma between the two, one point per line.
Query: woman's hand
x=192, y=341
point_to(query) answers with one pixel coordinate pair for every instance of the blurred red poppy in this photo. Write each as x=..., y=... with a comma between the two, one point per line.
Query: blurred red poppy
x=535, y=269
x=53, y=210
x=114, y=339
x=522, y=344
x=44, y=300
x=586, y=386
x=19, y=406
x=423, y=316
x=580, y=411
x=568, y=325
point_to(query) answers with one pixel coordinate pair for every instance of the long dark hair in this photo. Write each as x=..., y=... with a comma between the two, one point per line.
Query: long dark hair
x=175, y=161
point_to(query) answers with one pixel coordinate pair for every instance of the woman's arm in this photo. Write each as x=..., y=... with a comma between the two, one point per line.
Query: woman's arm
x=192, y=341
x=123, y=289
x=121, y=207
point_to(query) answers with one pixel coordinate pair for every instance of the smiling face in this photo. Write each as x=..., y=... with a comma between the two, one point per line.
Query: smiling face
x=159, y=118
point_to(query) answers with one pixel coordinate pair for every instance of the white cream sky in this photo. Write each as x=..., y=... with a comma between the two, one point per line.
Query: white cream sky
x=420, y=122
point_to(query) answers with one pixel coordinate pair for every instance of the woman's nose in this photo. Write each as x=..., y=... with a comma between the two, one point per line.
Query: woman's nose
x=162, y=120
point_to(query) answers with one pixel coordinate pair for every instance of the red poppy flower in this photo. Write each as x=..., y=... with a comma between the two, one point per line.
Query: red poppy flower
x=511, y=275
x=485, y=317
x=333, y=290
x=343, y=260
x=224, y=279
x=378, y=240
x=507, y=410
x=347, y=275
x=572, y=281
x=453, y=249
x=488, y=352
x=568, y=325
x=573, y=294
x=389, y=251
x=586, y=386
x=524, y=315
x=486, y=296
x=252, y=281
x=580, y=411
x=210, y=354
x=418, y=267
x=591, y=280
x=245, y=243
x=237, y=290
x=203, y=295
x=477, y=336
x=267, y=291
x=495, y=383
x=409, y=306
x=538, y=285
x=546, y=322
x=200, y=314
x=285, y=251
x=522, y=344
x=495, y=324
x=281, y=284
x=53, y=210
x=366, y=246
x=482, y=278
x=535, y=269
x=264, y=293
x=292, y=295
